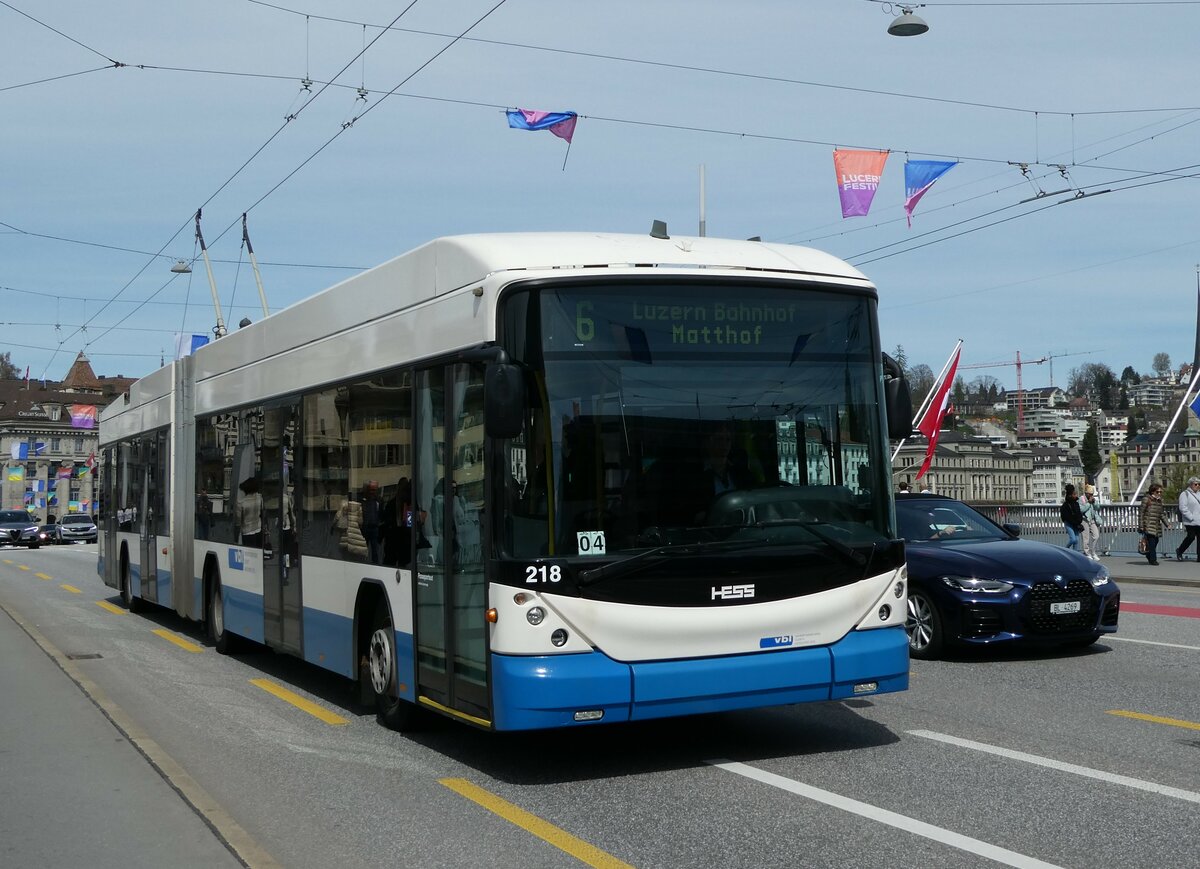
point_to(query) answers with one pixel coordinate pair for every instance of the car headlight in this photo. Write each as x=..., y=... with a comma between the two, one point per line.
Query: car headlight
x=970, y=583
x=1101, y=578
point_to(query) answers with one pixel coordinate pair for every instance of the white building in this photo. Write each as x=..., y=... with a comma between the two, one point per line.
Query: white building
x=1053, y=468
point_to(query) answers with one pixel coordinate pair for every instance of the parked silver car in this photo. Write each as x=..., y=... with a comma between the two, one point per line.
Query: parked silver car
x=17, y=529
x=77, y=527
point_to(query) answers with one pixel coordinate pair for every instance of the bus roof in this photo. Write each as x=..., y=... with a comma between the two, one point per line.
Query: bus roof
x=484, y=254
x=431, y=274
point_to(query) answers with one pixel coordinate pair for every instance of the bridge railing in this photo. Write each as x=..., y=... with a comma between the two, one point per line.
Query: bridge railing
x=1118, y=523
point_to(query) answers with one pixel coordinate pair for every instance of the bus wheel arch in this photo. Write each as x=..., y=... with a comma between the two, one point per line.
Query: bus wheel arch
x=375, y=634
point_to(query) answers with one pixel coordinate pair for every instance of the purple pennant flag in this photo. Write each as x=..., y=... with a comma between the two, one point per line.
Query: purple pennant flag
x=919, y=176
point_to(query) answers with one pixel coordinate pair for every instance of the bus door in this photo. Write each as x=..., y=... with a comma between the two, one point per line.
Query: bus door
x=147, y=543
x=450, y=592
x=106, y=516
x=281, y=543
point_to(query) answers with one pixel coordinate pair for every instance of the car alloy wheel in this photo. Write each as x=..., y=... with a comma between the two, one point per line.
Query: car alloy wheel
x=923, y=625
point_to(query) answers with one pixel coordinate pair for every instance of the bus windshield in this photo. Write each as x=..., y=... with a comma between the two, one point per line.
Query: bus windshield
x=684, y=412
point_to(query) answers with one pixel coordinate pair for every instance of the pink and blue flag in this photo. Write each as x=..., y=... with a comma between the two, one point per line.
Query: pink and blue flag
x=919, y=176
x=561, y=124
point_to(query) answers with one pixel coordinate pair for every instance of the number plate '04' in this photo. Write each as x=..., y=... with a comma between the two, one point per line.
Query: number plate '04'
x=1062, y=609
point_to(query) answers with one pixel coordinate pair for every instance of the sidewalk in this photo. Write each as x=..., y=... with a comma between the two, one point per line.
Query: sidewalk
x=1131, y=568
x=75, y=792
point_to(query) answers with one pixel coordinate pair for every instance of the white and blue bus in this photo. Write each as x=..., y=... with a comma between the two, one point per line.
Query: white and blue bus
x=535, y=480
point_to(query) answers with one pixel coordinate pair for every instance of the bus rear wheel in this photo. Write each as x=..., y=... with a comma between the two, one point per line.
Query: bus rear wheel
x=390, y=709
x=221, y=639
x=133, y=604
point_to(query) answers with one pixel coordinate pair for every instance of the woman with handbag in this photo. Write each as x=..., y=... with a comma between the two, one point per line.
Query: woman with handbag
x=1150, y=523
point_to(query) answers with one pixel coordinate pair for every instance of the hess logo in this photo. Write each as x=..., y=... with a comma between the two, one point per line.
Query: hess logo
x=732, y=592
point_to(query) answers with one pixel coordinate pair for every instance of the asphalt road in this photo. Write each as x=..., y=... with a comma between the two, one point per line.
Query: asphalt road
x=1070, y=759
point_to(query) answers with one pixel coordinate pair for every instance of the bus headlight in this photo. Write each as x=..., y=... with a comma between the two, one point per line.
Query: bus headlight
x=535, y=615
x=885, y=613
x=559, y=637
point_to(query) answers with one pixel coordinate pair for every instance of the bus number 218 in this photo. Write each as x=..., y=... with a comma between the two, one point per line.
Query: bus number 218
x=539, y=573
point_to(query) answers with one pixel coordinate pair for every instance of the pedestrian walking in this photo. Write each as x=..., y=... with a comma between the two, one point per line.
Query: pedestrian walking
x=1150, y=522
x=1072, y=516
x=1189, y=515
x=1090, y=538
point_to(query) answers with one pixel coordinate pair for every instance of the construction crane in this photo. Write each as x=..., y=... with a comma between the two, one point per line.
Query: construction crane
x=1019, y=363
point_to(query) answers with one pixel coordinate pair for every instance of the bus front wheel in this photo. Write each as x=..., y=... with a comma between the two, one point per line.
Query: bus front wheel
x=391, y=710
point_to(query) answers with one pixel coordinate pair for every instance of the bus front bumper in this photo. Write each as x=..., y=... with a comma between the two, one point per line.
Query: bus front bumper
x=531, y=692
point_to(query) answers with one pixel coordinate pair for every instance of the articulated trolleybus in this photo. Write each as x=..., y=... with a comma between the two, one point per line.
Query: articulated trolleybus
x=535, y=480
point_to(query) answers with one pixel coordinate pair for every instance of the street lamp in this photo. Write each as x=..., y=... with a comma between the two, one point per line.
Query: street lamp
x=907, y=23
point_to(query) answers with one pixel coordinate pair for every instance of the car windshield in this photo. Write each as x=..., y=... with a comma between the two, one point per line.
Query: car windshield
x=923, y=519
x=76, y=520
x=13, y=516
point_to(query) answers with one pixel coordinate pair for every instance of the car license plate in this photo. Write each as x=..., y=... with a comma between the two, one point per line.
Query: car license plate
x=1062, y=609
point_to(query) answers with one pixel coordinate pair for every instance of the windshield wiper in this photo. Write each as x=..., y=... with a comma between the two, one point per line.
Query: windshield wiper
x=849, y=552
x=634, y=563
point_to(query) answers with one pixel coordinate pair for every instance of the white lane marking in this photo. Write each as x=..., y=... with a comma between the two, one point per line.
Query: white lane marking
x=1061, y=766
x=883, y=816
x=1153, y=643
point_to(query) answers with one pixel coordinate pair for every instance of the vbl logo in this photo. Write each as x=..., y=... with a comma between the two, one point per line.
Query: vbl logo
x=237, y=560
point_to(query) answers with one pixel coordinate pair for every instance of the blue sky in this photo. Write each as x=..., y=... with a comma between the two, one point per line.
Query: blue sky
x=105, y=167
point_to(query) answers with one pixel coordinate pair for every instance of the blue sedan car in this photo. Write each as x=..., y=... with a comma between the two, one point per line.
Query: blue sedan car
x=972, y=582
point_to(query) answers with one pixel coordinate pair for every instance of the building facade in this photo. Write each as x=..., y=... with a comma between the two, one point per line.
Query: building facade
x=49, y=440
x=1053, y=468
x=971, y=469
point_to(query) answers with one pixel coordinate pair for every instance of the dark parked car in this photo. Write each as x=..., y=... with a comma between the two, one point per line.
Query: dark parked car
x=77, y=527
x=973, y=582
x=17, y=529
x=50, y=534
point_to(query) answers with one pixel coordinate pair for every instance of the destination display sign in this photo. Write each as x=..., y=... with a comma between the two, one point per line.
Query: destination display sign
x=701, y=319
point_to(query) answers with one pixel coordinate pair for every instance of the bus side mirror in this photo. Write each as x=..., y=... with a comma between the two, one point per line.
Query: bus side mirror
x=504, y=391
x=897, y=398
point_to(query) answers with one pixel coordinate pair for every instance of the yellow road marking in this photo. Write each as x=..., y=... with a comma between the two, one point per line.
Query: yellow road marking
x=299, y=702
x=70, y=588
x=186, y=645
x=8, y=561
x=43, y=576
x=116, y=610
x=23, y=566
x=544, y=830
x=1155, y=719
